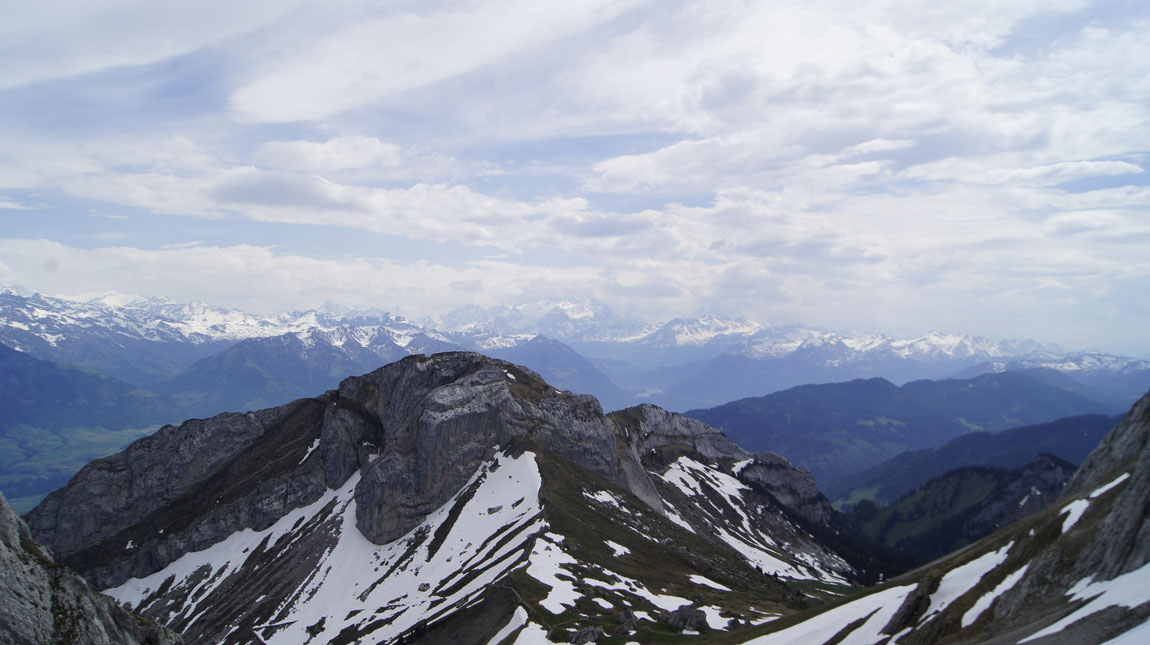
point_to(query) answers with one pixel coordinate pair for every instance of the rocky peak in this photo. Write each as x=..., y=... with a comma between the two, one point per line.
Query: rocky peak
x=383, y=465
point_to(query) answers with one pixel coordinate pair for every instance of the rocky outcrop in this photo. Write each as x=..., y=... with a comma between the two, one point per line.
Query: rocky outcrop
x=792, y=487
x=440, y=417
x=414, y=430
x=42, y=602
x=687, y=618
x=1120, y=541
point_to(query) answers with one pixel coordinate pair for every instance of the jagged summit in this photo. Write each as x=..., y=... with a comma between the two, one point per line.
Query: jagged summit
x=411, y=495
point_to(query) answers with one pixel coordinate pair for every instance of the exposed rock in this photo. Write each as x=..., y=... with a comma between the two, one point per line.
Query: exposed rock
x=42, y=602
x=401, y=441
x=416, y=430
x=687, y=617
x=588, y=635
x=792, y=487
x=628, y=622
x=1120, y=543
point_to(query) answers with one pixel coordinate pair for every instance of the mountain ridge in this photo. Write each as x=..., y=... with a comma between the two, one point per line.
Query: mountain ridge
x=386, y=465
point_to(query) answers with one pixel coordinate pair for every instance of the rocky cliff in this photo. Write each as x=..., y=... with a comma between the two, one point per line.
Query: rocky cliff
x=386, y=466
x=42, y=602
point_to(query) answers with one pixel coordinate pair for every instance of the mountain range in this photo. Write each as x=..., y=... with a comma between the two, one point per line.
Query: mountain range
x=1076, y=572
x=1070, y=439
x=679, y=364
x=838, y=429
x=440, y=497
x=460, y=498
x=162, y=361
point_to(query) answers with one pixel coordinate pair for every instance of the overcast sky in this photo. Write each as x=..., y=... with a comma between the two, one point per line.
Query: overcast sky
x=977, y=167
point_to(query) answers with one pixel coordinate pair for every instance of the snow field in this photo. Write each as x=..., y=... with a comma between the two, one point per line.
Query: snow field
x=987, y=599
x=423, y=586
x=1127, y=590
x=707, y=582
x=962, y=579
x=758, y=548
x=879, y=607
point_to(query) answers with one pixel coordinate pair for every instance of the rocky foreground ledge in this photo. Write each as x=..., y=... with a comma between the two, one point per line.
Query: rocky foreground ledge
x=42, y=602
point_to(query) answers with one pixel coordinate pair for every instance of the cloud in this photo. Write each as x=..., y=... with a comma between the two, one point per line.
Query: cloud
x=15, y=206
x=860, y=164
x=64, y=38
x=339, y=153
x=373, y=58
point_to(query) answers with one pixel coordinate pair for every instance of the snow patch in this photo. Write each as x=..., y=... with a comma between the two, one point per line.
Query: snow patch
x=876, y=608
x=619, y=549
x=962, y=579
x=714, y=620
x=676, y=518
x=983, y=603
x=606, y=497
x=545, y=566
x=1105, y=487
x=311, y=449
x=1127, y=590
x=1073, y=512
x=518, y=619
x=707, y=582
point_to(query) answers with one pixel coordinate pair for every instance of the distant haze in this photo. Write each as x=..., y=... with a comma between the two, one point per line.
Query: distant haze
x=893, y=166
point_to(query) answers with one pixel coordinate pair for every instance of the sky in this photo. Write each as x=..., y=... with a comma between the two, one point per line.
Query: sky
x=897, y=166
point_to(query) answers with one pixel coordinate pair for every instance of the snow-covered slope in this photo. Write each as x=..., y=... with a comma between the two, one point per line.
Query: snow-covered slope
x=1077, y=572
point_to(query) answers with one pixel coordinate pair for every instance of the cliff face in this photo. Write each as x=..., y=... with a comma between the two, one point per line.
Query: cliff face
x=42, y=602
x=391, y=452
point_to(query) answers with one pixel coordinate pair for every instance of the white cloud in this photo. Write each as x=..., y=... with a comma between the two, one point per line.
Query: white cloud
x=372, y=58
x=339, y=153
x=953, y=164
x=52, y=39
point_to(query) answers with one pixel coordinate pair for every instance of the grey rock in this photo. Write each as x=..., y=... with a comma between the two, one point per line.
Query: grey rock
x=628, y=621
x=792, y=487
x=687, y=617
x=42, y=602
x=415, y=431
x=588, y=635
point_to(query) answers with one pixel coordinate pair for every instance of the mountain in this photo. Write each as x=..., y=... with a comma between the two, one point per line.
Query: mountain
x=1076, y=572
x=703, y=362
x=55, y=418
x=680, y=364
x=41, y=602
x=1115, y=380
x=47, y=395
x=1070, y=438
x=838, y=429
x=571, y=321
x=444, y=499
x=131, y=346
x=265, y=372
x=963, y=505
x=565, y=368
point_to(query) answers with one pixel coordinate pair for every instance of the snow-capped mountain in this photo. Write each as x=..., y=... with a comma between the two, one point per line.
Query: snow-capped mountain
x=455, y=498
x=679, y=364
